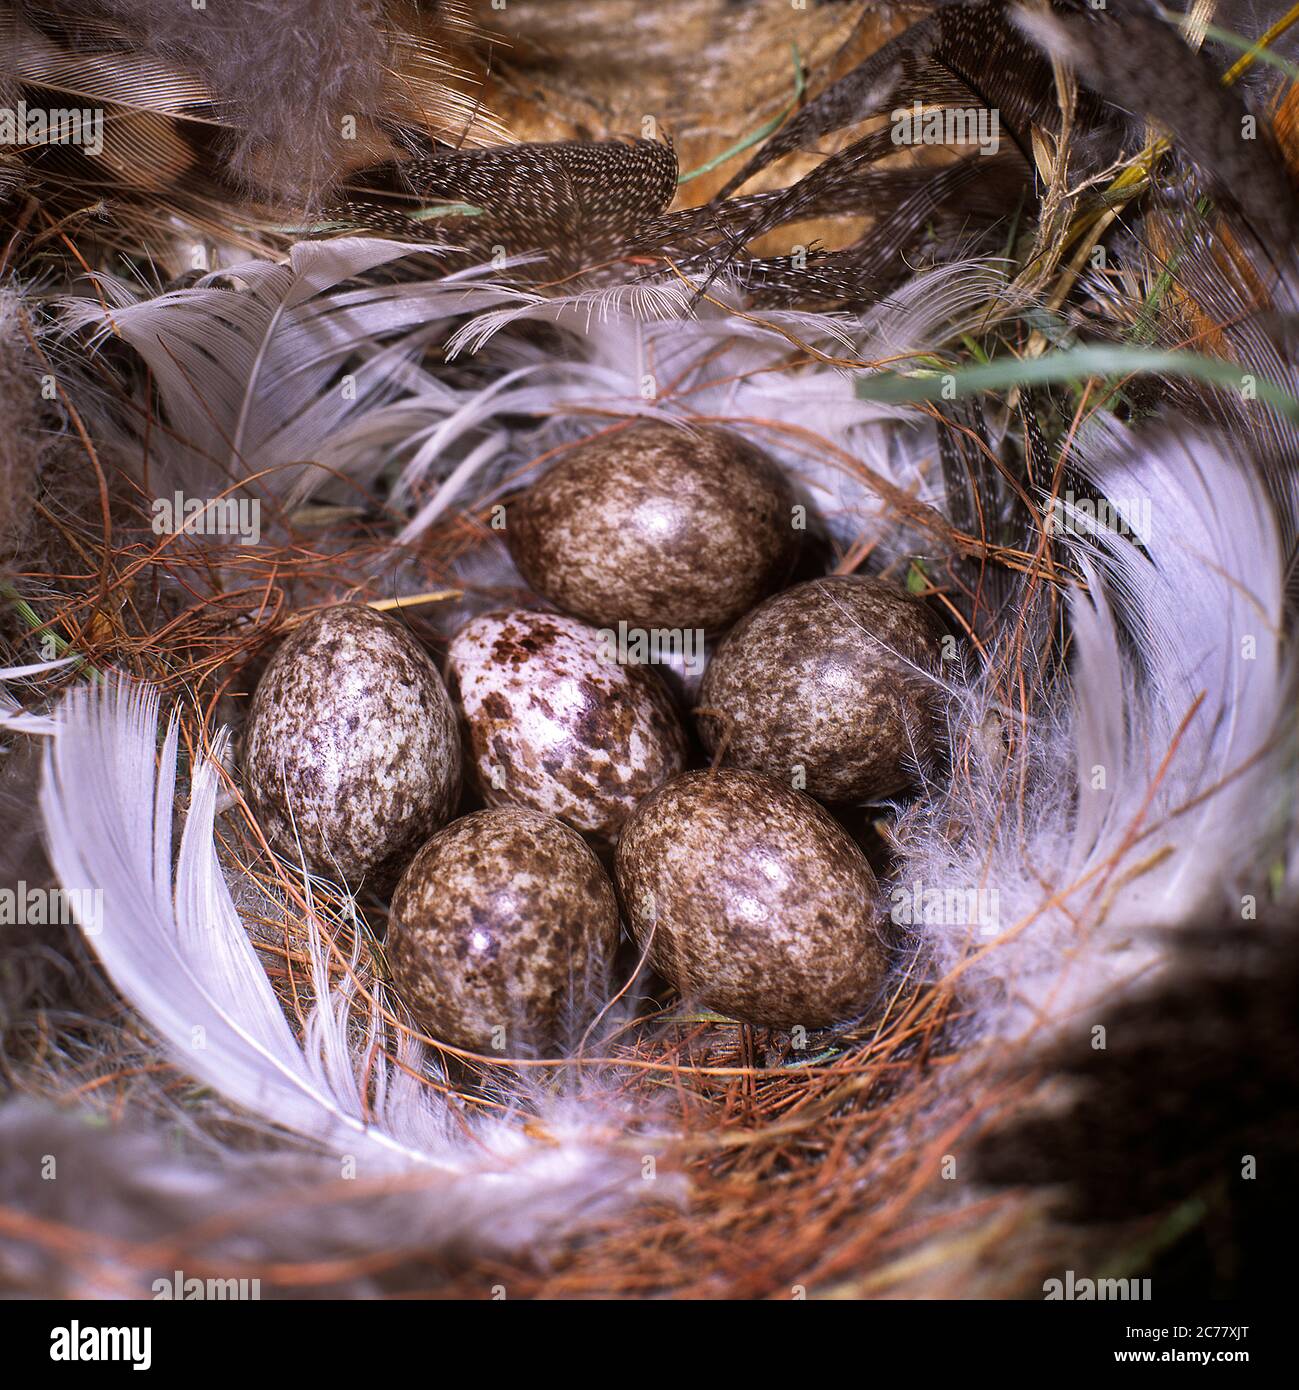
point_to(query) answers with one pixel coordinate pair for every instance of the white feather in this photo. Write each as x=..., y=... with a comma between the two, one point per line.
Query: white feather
x=1143, y=790
x=630, y=352
x=184, y=961
x=248, y=360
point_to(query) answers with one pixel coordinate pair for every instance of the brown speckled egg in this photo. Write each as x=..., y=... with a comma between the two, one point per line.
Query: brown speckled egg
x=827, y=688
x=760, y=905
x=351, y=732
x=657, y=526
x=555, y=724
x=502, y=933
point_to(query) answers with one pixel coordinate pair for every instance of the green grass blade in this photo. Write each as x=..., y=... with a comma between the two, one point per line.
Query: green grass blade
x=1070, y=365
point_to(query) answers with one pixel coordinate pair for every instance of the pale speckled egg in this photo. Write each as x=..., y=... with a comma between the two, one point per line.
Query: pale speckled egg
x=828, y=687
x=657, y=526
x=554, y=723
x=352, y=741
x=754, y=900
x=502, y=933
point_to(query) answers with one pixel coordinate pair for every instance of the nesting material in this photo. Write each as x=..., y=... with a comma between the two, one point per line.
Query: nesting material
x=829, y=687
x=752, y=900
x=502, y=932
x=351, y=748
x=1093, y=892
x=554, y=723
x=658, y=527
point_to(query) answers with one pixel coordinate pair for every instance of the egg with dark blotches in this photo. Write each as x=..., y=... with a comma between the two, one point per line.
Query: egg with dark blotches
x=752, y=900
x=657, y=526
x=829, y=687
x=502, y=932
x=556, y=722
x=351, y=747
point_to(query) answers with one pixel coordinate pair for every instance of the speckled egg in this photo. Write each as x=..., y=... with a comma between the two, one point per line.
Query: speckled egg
x=828, y=688
x=657, y=526
x=554, y=722
x=352, y=741
x=502, y=933
x=759, y=904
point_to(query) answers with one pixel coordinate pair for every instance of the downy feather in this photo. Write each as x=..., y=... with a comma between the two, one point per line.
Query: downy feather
x=1144, y=789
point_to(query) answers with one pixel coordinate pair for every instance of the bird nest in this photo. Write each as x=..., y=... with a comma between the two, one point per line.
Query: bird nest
x=986, y=348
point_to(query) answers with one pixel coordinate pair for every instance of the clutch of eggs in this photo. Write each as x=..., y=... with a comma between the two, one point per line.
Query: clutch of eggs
x=747, y=895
